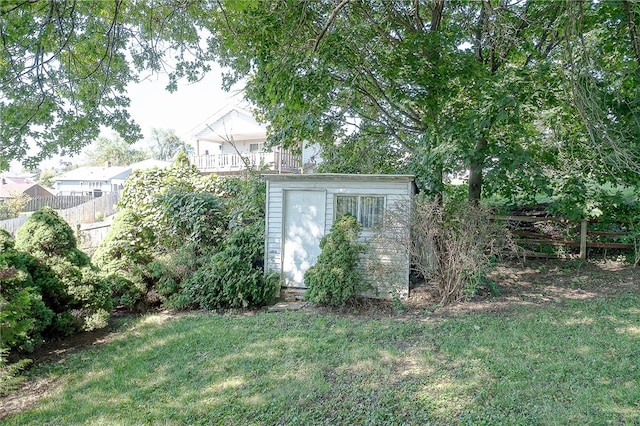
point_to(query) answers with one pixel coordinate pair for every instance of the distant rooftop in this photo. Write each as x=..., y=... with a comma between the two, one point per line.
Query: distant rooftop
x=93, y=173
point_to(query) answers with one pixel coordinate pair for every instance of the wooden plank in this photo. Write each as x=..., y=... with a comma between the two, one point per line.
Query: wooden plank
x=607, y=234
x=535, y=235
x=583, y=240
x=530, y=219
x=609, y=245
x=542, y=242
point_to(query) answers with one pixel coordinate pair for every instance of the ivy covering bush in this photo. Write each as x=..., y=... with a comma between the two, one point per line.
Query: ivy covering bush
x=335, y=279
x=123, y=257
x=187, y=240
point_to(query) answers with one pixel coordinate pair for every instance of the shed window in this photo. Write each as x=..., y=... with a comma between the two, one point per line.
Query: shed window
x=368, y=209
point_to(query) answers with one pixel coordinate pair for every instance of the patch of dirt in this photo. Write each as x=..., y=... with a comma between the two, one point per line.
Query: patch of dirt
x=531, y=283
x=535, y=282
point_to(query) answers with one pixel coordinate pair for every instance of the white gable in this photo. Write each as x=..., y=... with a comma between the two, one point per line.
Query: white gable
x=231, y=123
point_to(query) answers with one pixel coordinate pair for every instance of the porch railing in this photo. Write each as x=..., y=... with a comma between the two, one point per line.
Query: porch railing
x=274, y=161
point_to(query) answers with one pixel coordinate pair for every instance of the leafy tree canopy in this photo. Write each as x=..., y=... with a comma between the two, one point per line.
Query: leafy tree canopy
x=114, y=151
x=64, y=68
x=166, y=144
x=513, y=91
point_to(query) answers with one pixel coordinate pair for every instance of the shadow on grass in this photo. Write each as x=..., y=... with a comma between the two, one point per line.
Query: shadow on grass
x=572, y=364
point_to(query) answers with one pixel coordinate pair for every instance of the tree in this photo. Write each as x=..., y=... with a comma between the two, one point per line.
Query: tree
x=513, y=91
x=45, y=178
x=65, y=66
x=114, y=151
x=167, y=144
x=476, y=85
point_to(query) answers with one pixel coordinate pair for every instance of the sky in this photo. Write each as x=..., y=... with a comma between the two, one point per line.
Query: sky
x=152, y=106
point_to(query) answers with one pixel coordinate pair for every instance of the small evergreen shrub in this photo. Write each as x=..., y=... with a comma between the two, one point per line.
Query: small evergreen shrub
x=23, y=314
x=335, y=279
x=63, y=274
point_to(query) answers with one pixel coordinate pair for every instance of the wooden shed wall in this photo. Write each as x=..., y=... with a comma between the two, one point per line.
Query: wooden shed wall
x=388, y=268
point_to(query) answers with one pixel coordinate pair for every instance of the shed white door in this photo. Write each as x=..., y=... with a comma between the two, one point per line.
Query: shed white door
x=304, y=222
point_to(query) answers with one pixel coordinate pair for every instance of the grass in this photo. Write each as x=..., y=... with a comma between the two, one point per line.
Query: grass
x=575, y=362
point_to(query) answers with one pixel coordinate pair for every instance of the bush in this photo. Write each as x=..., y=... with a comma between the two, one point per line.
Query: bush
x=196, y=218
x=171, y=270
x=63, y=274
x=232, y=277
x=335, y=279
x=23, y=314
x=455, y=245
x=123, y=257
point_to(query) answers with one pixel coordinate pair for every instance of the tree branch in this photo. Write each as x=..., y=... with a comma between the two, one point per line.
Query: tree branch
x=632, y=30
x=332, y=17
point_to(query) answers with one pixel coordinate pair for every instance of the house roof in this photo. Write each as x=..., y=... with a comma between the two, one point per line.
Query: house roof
x=10, y=189
x=94, y=173
x=230, y=122
x=17, y=179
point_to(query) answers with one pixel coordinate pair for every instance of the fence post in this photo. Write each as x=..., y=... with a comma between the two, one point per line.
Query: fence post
x=583, y=239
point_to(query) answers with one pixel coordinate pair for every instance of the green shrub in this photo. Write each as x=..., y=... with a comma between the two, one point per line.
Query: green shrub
x=9, y=373
x=123, y=257
x=335, y=279
x=196, y=218
x=23, y=314
x=232, y=277
x=63, y=274
x=171, y=270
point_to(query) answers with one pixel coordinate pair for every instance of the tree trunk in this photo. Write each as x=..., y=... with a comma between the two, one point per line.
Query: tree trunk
x=475, y=171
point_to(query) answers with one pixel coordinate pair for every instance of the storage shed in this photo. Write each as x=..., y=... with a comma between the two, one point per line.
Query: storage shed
x=301, y=209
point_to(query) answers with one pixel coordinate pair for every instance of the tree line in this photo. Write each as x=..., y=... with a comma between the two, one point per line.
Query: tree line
x=522, y=94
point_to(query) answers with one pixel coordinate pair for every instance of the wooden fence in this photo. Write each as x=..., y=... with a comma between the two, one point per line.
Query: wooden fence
x=91, y=211
x=58, y=202
x=584, y=239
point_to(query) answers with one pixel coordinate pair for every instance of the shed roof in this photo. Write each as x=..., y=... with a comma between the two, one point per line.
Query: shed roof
x=10, y=189
x=315, y=177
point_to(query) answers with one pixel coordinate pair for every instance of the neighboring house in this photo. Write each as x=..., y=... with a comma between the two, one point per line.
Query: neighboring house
x=91, y=180
x=232, y=139
x=12, y=186
x=149, y=164
x=300, y=210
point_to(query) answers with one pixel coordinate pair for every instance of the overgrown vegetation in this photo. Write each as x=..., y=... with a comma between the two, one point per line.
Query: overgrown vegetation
x=453, y=245
x=188, y=241
x=11, y=207
x=335, y=278
x=47, y=288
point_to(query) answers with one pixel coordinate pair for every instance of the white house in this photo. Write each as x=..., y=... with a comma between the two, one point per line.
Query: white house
x=91, y=180
x=232, y=140
x=300, y=210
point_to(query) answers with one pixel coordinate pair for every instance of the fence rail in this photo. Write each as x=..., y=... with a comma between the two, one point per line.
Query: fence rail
x=58, y=202
x=583, y=239
x=88, y=212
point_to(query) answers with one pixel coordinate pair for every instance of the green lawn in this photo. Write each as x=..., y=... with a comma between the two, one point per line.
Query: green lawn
x=576, y=362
